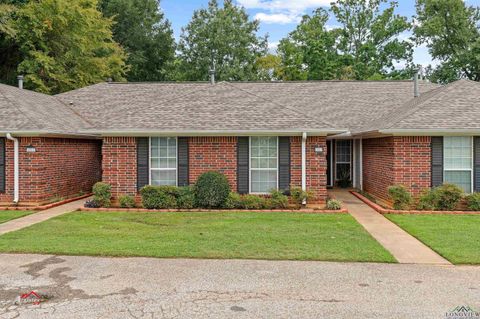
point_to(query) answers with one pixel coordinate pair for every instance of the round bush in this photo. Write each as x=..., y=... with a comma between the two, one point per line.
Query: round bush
x=448, y=196
x=102, y=194
x=334, y=204
x=211, y=190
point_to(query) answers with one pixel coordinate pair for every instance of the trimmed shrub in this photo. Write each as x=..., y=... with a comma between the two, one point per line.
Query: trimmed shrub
x=427, y=200
x=234, y=201
x=126, y=201
x=92, y=203
x=298, y=195
x=211, y=190
x=473, y=201
x=277, y=200
x=402, y=199
x=185, y=197
x=448, y=196
x=158, y=197
x=334, y=204
x=102, y=194
x=253, y=202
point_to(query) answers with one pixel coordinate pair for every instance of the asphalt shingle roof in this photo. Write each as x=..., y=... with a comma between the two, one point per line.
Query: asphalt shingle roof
x=164, y=107
x=24, y=110
x=450, y=107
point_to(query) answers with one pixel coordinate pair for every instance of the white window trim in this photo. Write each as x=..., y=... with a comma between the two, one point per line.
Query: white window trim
x=349, y=163
x=150, y=169
x=260, y=169
x=471, y=170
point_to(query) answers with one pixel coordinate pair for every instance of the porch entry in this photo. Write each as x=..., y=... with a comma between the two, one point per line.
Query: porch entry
x=344, y=162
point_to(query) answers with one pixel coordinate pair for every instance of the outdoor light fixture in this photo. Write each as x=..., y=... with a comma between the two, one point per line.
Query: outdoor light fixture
x=31, y=149
x=319, y=150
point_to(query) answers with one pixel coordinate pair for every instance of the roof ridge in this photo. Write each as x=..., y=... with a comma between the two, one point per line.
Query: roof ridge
x=19, y=108
x=281, y=105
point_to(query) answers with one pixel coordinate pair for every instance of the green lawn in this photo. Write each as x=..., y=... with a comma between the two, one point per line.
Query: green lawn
x=6, y=215
x=201, y=235
x=455, y=237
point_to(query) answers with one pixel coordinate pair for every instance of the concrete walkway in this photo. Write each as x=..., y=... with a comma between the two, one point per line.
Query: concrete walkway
x=403, y=246
x=39, y=217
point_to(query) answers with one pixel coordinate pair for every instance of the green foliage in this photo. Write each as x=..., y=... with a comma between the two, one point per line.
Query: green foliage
x=269, y=67
x=234, y=201
x=365, y=46
x=186, y=197
x=344, y=180
x=211, y=190
x=334, y=204
x=402, y=199
x=65, y=44
x=309, y=52
x=473, y=202
x=451, y=31
x=299, y=196
x=102, y=194
x=127, y=201
x=253, y=202
x=448, y=196
x=277, y=200
x=445, y=197
x=158, y=197
x=427, y=200
x=223, y=37
x=141, y=29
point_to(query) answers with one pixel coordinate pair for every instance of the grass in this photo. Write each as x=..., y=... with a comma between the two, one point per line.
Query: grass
x=6, y=215
x=455, y=237
x=292, y=236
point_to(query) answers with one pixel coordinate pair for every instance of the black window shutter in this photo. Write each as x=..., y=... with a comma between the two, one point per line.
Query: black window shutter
x=437, y=161
x=182, y=149
x=142, y=162
x=243, y=165
x=476, y=167
x=2, y=165
x=284, y=163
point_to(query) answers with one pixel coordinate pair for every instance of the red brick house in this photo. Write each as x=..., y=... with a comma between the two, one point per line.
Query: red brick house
x=43, y=157
x=279, y=134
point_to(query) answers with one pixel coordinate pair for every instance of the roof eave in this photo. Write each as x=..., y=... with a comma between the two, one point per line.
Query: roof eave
x=294, y=132
x=52, y=134
x=430, y=132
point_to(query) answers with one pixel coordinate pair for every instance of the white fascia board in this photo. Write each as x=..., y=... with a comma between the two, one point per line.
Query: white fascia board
x=215, y=132
x=430, y=132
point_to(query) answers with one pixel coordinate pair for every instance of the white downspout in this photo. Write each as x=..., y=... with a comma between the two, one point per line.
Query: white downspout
x=304, y=164
x=16, y=171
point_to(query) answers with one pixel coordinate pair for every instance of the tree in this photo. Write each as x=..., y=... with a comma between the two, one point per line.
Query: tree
x=141, y=29
x=66, y=44
x=9, y=55
x=451, y=31
x=309, y=52
x=370, y=36
x=223, y=38
x=269, y=67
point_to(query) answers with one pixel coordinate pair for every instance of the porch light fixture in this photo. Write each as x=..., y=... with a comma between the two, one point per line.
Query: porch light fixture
x=31, y=149
x=319, y=150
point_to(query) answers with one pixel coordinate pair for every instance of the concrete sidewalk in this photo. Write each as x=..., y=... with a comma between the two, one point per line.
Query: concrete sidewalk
x=403, y=246
x=39, y=217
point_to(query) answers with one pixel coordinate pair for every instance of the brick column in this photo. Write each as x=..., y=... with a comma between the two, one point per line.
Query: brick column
x=119, y=164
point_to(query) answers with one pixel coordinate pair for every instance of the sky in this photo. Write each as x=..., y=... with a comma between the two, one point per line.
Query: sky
x=279, y=17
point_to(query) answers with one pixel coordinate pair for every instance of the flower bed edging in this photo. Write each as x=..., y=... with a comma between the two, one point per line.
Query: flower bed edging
x=143, y=210
x=48, y=206
x=382, y=210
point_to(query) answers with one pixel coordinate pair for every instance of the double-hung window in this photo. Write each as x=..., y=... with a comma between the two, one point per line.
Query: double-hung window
x=458, y=161
x=263, y=164
x=163, y=161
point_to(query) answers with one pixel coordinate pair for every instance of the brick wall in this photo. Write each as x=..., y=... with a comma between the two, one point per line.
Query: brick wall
x=119, y=164
x=396, y=160
x=59, y=168
x=213, y=154
x=316, y=166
